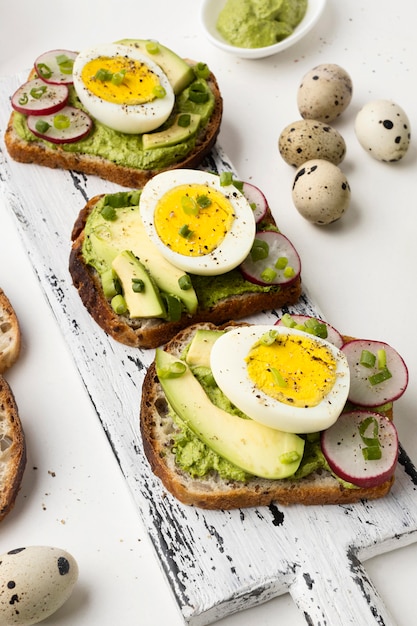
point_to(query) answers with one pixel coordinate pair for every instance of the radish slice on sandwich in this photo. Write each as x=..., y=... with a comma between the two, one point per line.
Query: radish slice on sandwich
x=378, y=373
x=38, y=98
x=312, y=325
x=68, y=125
x=361, y=448
x=256, y=199
x=273, y=260
x=55, y=66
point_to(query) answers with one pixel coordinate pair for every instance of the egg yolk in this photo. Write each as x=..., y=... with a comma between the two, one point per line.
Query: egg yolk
x=193, y=219
x=120, y=80
x=294, y=370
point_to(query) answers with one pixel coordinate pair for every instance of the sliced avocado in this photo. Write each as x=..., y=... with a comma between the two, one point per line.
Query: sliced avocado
x=178, y=72
x=200, y=347
x=174, y=134
x=107, y=238
x=142, y=298
x=257, y=449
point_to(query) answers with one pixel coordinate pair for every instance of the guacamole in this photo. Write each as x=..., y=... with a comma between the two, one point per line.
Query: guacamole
x=125, y=149
x=259, y=23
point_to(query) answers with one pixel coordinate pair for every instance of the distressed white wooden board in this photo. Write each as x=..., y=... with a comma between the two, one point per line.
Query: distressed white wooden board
x=216, y=562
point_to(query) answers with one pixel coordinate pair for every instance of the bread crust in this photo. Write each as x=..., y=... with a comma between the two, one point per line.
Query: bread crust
x=10, y=334
x=12, y=449
x=57, y=158
x=157, y=430
x=151, y=333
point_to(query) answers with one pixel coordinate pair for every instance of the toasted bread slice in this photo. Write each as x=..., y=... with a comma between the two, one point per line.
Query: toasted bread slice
x=212, y=492
x=150, y=333
x=42, y=153
x=10, y=335
x=12, y=449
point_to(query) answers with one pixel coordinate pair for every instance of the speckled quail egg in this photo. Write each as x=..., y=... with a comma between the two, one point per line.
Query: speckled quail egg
x=34, y=582
x=320, y=192
x=304, y=140
x=383, y=129
x=324, y=93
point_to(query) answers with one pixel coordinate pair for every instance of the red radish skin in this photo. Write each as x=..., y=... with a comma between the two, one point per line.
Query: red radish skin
x=342, y=447
x=362, y=392
x=255, y=197
x=333, y=335
x=279, y=246
x=49, y=59
x=80, y=126
x=52, y=98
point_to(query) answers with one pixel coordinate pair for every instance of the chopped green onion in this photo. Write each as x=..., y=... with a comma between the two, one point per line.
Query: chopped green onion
x=259, y=250
x=184, y=120
x=65, y=63
x=239, y=185
x=118, y=77
x=138, y=285
x=159, y=91
x=110, y=283
x=103, y=74
x=152, y=47
x=121, y=199
x=380, y=377
x=315, y=327
x=24, y=99
x=288, y=321
x=44, y=70
x=201, y=70
x=289, y=272
x=61, y=121
x=197, y=93
x=289, y=457
x=185, y=232
x=118, y=304
x=364, y=426
x=184, y=282
x=268, y=274
x=173, y=306
x=367, y=358
x=278, y=378
x=372, y=453
x=37, y=92
x=382, y=359
x=281, y=263
x=268, y=338
x=108, y=213
x=189, y=205
x=176, y=369
x=226, y=178
x=203, y=201
x=42, y=126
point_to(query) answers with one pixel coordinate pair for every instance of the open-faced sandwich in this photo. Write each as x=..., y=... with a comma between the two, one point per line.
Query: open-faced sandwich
x=190, y=247
x=244, y=415
x=122, y=111
x=12, y=439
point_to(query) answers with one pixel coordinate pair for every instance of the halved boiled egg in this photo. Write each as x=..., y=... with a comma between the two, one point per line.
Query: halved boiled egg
x=122, y=88
x=281, y=377
x=199, y=224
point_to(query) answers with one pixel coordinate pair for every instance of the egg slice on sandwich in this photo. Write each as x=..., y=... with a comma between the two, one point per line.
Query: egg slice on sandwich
x=199, y=224
x=283, y=378
x=122, y=88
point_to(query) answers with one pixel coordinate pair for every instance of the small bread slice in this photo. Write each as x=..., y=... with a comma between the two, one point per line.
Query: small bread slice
x=12, y=449
x=10, y=335
x=57, y=157
x=153, y=332
x=157, y=429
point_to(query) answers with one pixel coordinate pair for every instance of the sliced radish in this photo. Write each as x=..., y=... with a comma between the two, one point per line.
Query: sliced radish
x=273, y=260
x=256, y=199
x=351, y=444
x=68, y=125
x=374, y=384
x=38, y=98
x=55, y=66
x=309, y=324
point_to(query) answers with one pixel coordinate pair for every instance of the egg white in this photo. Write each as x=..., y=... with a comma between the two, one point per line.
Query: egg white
x=228, y=365
x=131, y=119
x=237, y=242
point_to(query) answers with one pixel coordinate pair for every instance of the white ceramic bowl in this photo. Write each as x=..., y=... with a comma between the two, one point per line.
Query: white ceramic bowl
x=210, y=10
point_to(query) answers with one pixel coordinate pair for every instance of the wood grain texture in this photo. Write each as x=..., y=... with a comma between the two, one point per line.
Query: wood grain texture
x=216, y=562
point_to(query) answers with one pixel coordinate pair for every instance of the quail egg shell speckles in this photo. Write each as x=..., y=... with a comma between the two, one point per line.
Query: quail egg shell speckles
x=304, y=140
x=35, y=582
x=324, y=93
x=321, y=192
x=383, y=129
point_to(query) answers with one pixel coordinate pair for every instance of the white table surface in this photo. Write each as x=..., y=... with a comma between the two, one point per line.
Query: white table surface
x=360, y=271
